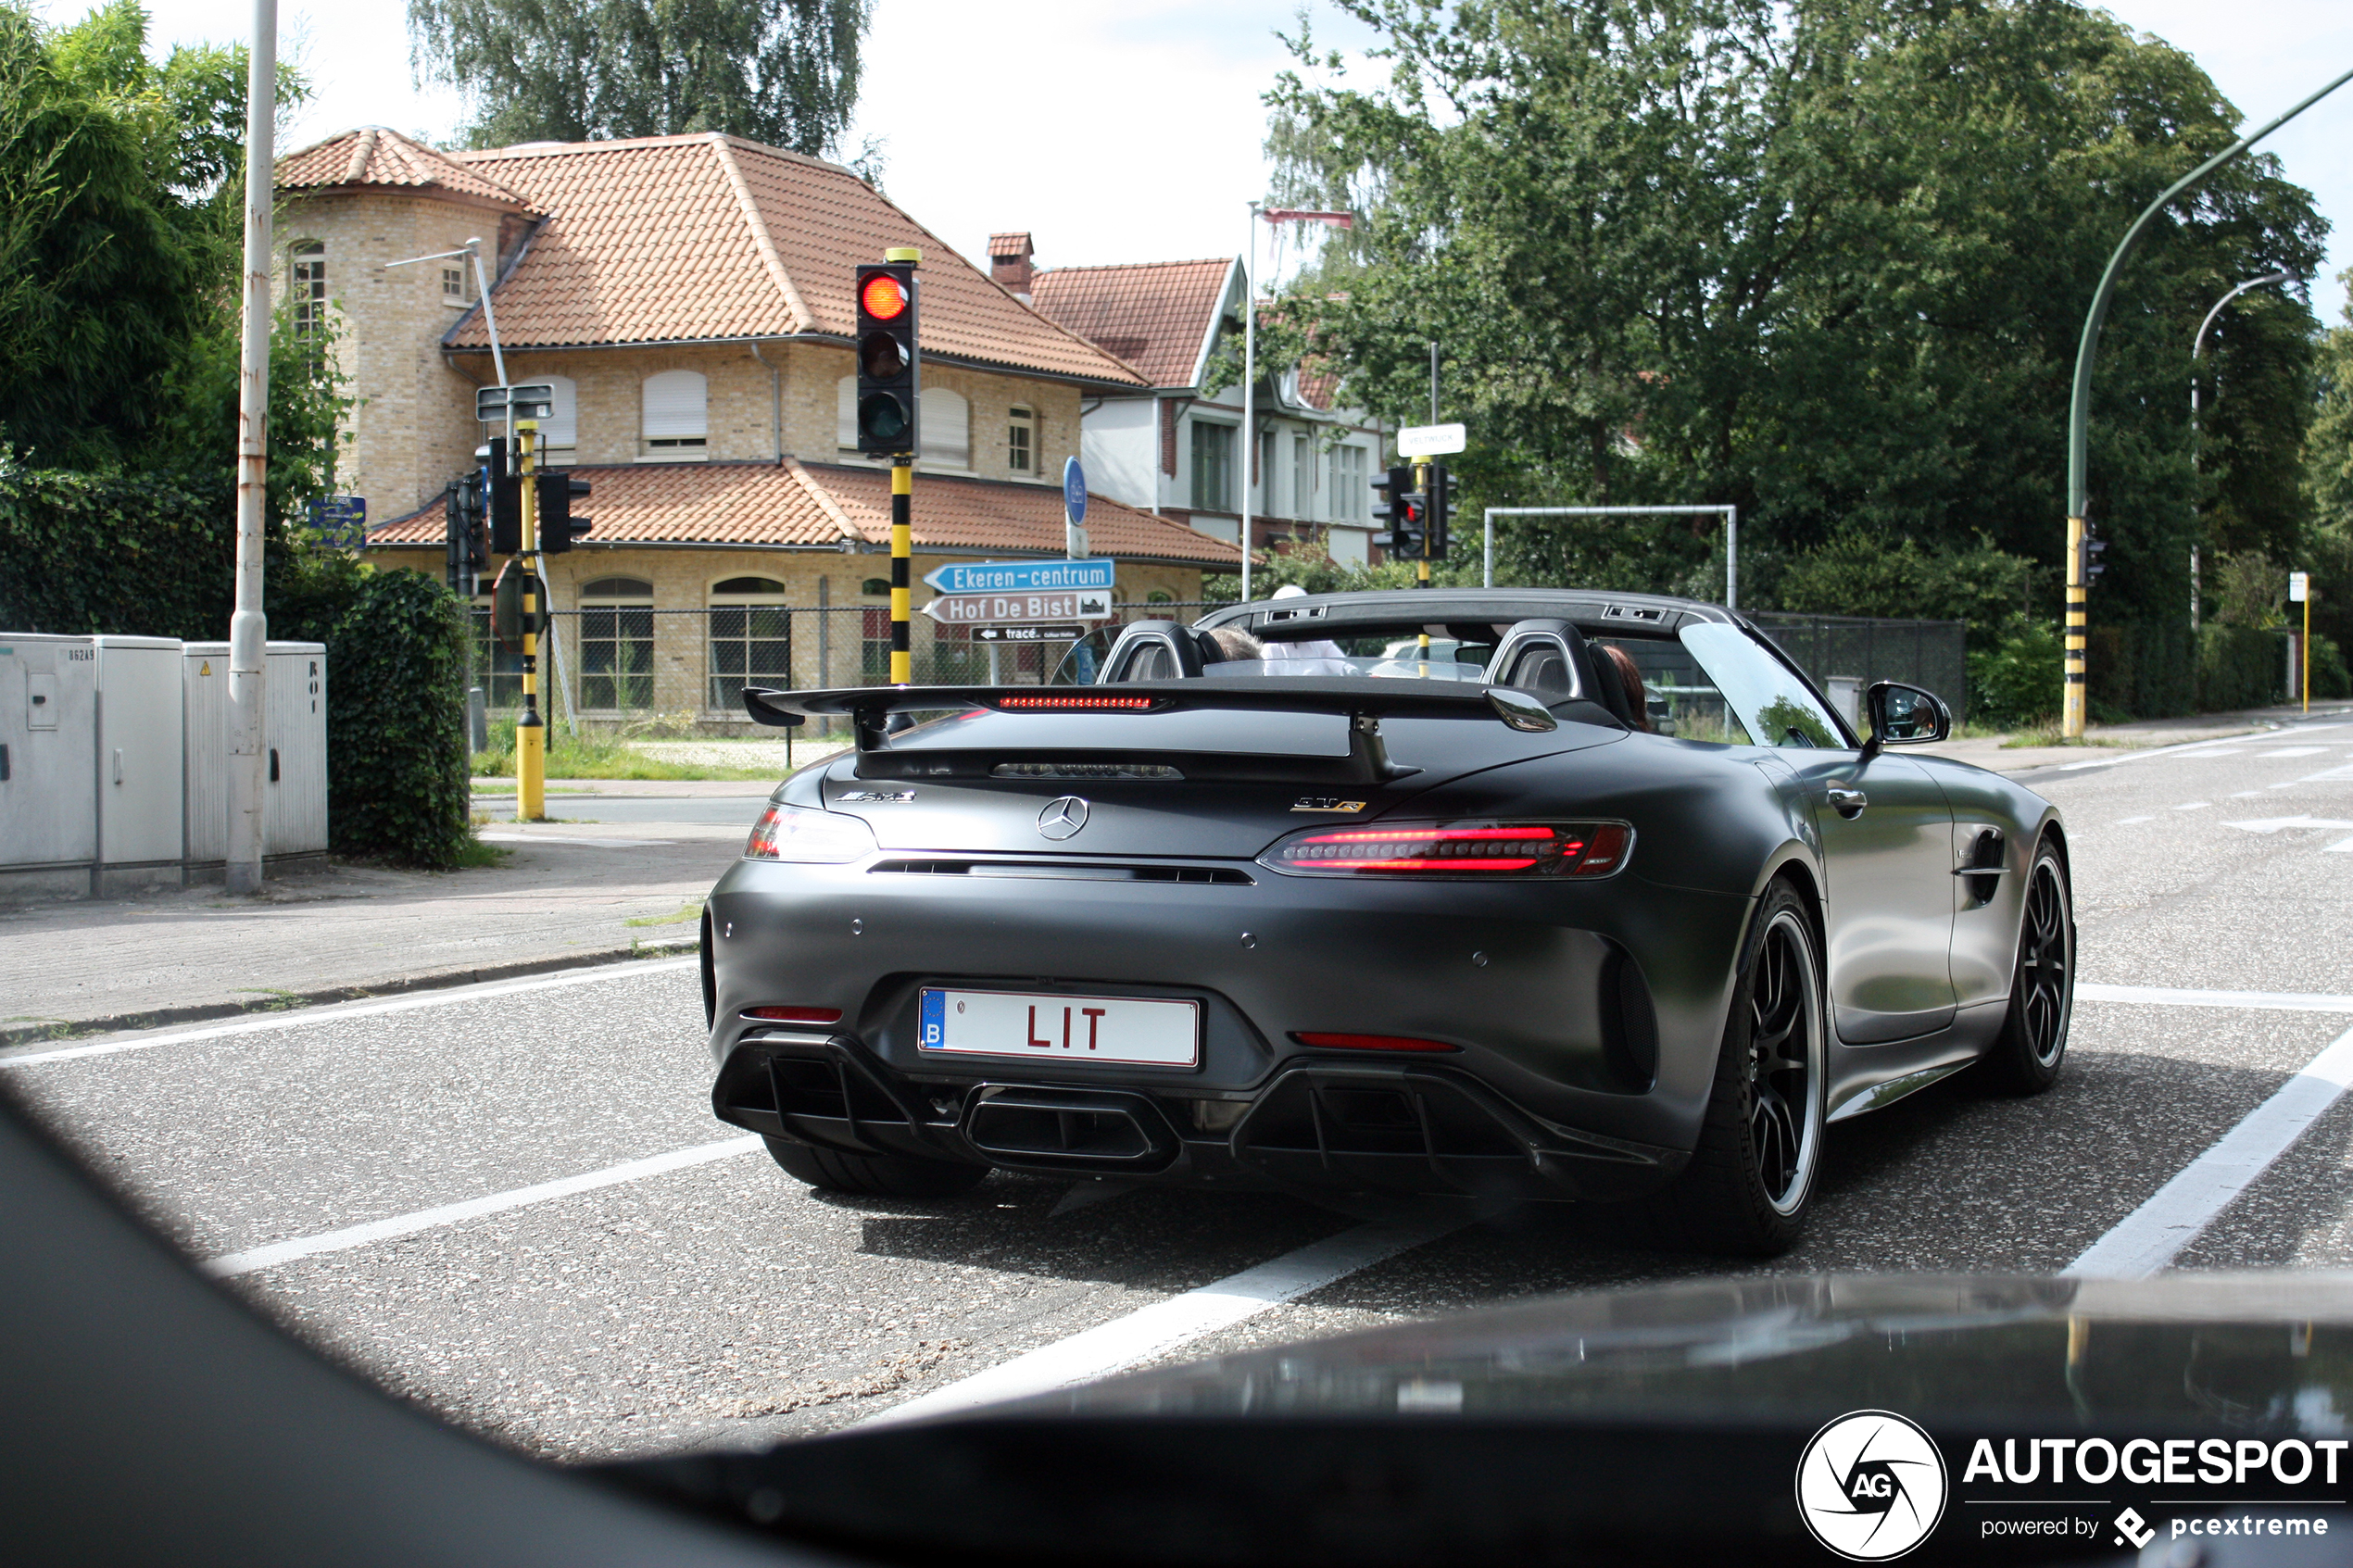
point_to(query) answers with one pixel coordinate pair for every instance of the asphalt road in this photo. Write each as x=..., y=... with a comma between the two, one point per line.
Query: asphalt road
x=716, y=1301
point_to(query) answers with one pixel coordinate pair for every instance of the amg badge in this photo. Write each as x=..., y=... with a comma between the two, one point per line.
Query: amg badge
x=1325, y=803
x=866, y=795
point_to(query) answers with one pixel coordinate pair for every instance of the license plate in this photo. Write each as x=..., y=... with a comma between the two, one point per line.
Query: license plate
x=1014, y=1023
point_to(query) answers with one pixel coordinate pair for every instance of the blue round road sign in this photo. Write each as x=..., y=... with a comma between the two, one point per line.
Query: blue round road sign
x=1073, y=491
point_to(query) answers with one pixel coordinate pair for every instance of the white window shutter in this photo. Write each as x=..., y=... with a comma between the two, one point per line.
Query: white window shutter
x=847, y=437
x=947, y=429
x=562, y=427
x=676, y=406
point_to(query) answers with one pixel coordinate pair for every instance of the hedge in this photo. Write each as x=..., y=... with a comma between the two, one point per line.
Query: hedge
x=396, y=755
x=82, y=553
x=2239, y=667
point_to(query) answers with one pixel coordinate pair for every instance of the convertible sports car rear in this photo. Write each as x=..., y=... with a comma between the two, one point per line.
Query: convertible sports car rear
x=1332, y=934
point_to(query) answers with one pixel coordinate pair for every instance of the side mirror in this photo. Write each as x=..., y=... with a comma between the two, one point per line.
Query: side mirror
x=1902, y=715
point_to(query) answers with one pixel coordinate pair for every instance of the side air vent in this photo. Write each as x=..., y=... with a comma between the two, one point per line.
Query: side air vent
x=1630, y=1023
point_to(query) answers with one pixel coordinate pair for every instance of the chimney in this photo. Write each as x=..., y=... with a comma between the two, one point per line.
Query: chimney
x=1009, y=263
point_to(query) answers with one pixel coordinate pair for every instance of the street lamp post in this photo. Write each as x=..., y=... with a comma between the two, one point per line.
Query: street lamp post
x=2079, y=409
x=2197, y=351
x=248, y=625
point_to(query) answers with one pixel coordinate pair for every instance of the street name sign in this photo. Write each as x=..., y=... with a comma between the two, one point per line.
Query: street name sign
x=530, y=400
x=1023, y=577
x=1014, y=610
x=340, y=521
x=1070, y=633
x=1430, y=441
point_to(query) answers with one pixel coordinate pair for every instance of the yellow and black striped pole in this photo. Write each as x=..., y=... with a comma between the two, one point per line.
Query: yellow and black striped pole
x=531, y=730
x=902, y=550
x=2071, y=697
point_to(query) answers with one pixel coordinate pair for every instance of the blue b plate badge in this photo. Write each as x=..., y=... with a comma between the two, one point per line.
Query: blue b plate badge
x=1132, y=1030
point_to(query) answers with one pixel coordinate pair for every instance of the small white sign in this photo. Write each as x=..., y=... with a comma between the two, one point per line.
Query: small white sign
x=2299, y=588
x=1430, y=441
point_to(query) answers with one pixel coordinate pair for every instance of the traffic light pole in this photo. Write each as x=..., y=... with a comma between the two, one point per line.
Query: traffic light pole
x=531, y=730
x=902, y=550
x=2079, y=406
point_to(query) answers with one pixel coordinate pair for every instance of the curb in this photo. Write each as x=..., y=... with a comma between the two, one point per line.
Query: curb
x=159, y=1018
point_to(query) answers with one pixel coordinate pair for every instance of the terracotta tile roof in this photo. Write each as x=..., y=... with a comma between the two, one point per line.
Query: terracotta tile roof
x=373, y=155
x=812, y=505
x=1319, y=383
x=679, y=238
x=1155, y=315
x=1014, y=242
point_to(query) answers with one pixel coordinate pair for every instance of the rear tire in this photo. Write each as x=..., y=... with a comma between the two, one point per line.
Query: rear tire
x=2026, y=1056
x=1749, y=1182
x=873, y=1175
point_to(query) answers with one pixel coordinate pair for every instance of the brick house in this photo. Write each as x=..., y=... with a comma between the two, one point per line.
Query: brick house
x=1172, y=448
x=689, y=299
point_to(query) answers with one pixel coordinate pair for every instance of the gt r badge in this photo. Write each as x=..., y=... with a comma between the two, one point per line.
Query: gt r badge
x=1325, y=803
x=874, y=795
x=1063, y=817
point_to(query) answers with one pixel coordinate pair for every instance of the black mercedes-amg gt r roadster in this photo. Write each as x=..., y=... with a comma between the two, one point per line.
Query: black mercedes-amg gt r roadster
x=1517, y=893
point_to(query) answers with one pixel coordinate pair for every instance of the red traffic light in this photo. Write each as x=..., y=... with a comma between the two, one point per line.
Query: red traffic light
x=884, y=297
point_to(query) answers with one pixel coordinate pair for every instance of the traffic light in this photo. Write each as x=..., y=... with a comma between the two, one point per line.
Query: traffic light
x=506, y=500
x=467, y=543
x=1441, y=503
x=1403, y=509
x=558, y=527
x=889, y=363
x=2089, y=568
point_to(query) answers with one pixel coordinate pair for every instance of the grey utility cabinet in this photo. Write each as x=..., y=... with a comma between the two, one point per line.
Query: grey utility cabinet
x=90, y=761
x=293, y=812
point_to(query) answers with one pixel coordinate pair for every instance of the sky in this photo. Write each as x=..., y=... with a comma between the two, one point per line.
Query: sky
x=1130, y=130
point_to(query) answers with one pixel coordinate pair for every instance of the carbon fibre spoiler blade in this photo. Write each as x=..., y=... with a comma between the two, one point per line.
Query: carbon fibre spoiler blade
x=1364, y=703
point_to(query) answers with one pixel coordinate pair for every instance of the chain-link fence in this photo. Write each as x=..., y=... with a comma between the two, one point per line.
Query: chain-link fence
x=1846, y=653
x=683, y=672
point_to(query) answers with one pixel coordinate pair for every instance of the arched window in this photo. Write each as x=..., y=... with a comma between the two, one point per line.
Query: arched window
x=677, y=419
x=751, y=640
x=947, y=429
x=879, y=588
x=561, y=430
x=306, y=282
x=617, y=645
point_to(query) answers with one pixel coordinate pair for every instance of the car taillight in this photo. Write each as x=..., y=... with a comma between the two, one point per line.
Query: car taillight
x=795, y=832
x=796, y=1015
x=1464, y=848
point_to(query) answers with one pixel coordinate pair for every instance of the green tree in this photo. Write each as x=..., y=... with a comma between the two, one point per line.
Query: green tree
x=2327, y=549
x=780, y=71
x=1827, y=260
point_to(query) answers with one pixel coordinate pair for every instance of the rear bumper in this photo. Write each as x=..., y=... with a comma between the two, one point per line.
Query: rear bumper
x=1323, y=1127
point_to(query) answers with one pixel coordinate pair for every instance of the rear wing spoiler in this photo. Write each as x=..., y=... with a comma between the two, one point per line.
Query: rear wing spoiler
x=1362, y=702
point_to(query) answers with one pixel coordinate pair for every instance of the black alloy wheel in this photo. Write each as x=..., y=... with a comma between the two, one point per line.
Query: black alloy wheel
x=1749, y=1181
x=2026, y=1056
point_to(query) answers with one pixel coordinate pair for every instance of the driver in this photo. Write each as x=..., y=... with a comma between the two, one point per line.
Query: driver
x=1630, y=676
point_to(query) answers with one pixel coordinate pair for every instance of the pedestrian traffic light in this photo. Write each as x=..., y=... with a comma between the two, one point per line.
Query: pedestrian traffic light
x=2089, y=566
x=466, y=539
x=1398, y=509
x=505, y=486
x=558, y=527
x=889, y=362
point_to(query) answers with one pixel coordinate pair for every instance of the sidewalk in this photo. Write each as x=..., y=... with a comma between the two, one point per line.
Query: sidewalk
x=1994, y=754
x=182, y=954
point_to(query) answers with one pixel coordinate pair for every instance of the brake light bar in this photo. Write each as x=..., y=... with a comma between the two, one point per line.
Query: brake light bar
x=1094, y=704
x=1369, y=1042
x=796, y=1015
x=1460, y=848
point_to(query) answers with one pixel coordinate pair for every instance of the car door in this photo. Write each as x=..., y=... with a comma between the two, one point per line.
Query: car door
x=1887, y=847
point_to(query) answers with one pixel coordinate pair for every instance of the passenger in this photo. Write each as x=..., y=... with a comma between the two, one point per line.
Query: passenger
x=1321, y=648
x=1629, y=677
x=1233, y=643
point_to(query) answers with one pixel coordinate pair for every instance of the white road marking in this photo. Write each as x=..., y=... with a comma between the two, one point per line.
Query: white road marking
x=229, y=1265
x=298, y=1018
x=2273, y=825
x=2175, y=997
x=2128, y=822
x=2193, y=805
x=2186, y=748
x=2248, y=795
x=2154, y=1234
x=2343, y=849
x=2295, y=751
x=2331, y=775
x=1140, y=1334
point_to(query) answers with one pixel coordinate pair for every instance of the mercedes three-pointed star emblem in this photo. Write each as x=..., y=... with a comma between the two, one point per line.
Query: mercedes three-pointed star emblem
x=1063, y=817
